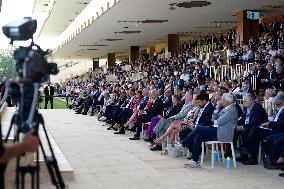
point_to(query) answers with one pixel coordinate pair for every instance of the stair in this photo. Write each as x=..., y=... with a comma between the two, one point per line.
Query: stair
x=64, y=166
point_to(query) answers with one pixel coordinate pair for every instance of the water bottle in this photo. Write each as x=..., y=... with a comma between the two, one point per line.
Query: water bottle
x=228, y=163
x=165, y=143
x=215, y=156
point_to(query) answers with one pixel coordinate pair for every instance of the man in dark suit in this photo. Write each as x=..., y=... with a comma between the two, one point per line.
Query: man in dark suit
x=125, y=112
x=270, y=76
x=257, y=134
x=98, y=100
x=253, y=115
x=260, y=75
x=117, y=109
x=167, y=100
x=276, y=149
x=48, y=92
x=179, y=83
x=155, y=109
x=204, y=117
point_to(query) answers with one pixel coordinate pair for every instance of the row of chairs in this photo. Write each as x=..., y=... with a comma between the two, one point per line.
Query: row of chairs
x=205, y=48
x=227, y=72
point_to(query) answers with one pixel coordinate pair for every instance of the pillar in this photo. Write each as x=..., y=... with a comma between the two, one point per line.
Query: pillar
x=246, y=27
x=96, y=63
x=111, y=59
x=151, y=51
x=134, y=53
x=172, y=43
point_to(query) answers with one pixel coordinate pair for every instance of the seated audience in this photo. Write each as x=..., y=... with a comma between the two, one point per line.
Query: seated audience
x=204, y=116
x=176, y=127
x=163, y=124
x=257, y=134
x=175, y=109
x=155, y=109
x=225, y=117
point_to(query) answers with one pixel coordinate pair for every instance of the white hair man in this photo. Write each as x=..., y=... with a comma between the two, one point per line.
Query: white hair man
x=225, y=119
x=266, y=129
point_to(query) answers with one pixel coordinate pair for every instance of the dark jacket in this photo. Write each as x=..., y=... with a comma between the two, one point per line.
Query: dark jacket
x=121, y=101
x=156, y=108
x=257, y=116
x=167, y=102
x=143, y=103
x=173, y=111
x=271, y=77
x=46, y=92
x=206, y=116
x=279, y=124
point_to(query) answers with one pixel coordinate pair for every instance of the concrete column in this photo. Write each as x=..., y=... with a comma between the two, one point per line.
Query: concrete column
x=246, y=28
x=151, y=51
x=96, y=63
x=134, y=53
x=172, y=43
x=111, y=59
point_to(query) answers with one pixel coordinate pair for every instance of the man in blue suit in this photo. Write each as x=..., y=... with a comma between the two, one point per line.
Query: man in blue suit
x=253, y=115
x=257, y=134
x=155, y=109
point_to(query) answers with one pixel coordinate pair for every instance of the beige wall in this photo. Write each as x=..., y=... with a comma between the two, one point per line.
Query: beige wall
x=77, y=69
x=159, y=47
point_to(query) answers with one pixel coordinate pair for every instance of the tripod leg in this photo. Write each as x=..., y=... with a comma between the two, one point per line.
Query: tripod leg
x=10, y=128
x=48, y=165
x=23, y=180
x=38, y=169
x=51, y=162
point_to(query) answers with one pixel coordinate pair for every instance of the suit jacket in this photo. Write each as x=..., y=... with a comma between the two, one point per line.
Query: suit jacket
x=206, y=116
x=257, y=116
x=180, y=83
x=273, y=76
x=279, y=124
x=167, y=102
x=156, y=108
x=46, y=92
x=121, y=100
x=206, y=72
x=173, y=111
x=226, y=120
x=100, y=100
x=260, y=74
x=143, y=103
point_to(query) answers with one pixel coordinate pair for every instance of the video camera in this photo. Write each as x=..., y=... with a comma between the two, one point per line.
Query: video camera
x=31, y=63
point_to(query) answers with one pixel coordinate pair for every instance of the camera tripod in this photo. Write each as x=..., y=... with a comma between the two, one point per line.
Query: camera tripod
x=30, y=120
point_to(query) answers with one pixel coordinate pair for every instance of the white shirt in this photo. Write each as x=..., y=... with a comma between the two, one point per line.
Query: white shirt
x=184, y=77
x=278, y=113
x=200, y=113
x=130, y=101
x=48, y=90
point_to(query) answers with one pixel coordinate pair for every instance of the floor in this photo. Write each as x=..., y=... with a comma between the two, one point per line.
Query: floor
x=102, y=160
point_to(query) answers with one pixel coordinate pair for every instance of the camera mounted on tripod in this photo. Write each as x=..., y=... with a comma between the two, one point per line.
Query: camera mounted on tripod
x=31, y=63
x=32, y=68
